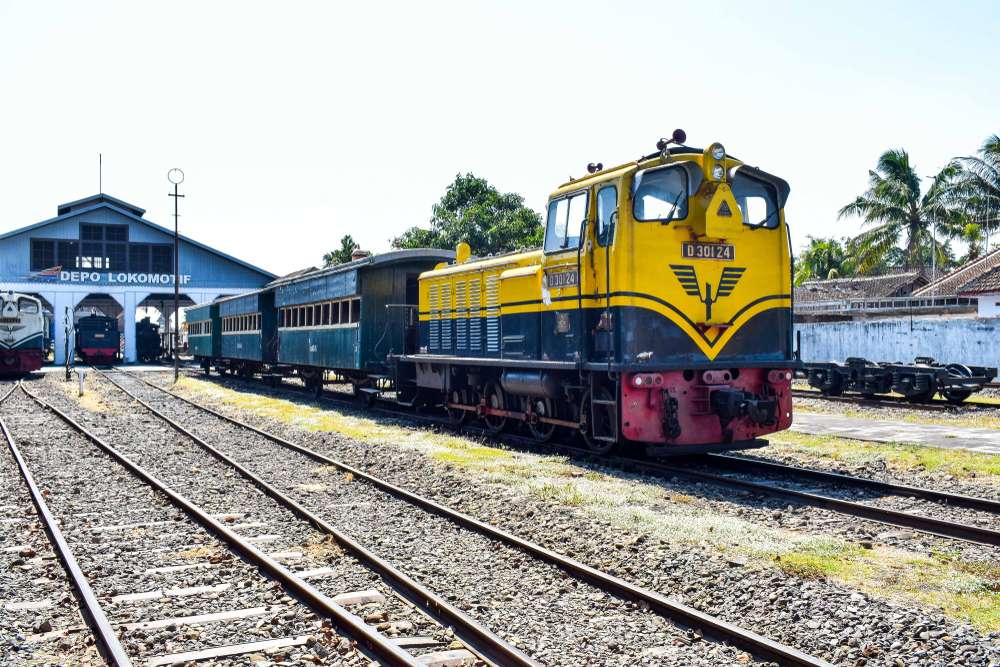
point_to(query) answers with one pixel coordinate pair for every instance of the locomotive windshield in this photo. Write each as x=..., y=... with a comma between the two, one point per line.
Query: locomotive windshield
x=660, y=195
x=758, y=200
x=566, y=215
x=28, y=306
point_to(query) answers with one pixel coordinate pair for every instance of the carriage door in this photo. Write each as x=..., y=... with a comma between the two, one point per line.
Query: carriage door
x=600, y=319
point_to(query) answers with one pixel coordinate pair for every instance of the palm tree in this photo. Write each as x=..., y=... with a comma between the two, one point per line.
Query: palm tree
x=978, y=184
x=821, y=259
x=895, y=209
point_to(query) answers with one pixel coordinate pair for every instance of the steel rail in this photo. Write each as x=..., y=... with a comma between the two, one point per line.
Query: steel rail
x=936, y=405
x=953, y=499
x=105, y=634
x=937, y=527
x=480, y=639
x=371, y=642
x=682, y=614
x=940, y=527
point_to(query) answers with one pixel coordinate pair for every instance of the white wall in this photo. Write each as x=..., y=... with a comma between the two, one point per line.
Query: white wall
x=974, y=341
x=989, y=305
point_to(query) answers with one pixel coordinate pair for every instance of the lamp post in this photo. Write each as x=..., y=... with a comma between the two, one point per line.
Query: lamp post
x=176, y=176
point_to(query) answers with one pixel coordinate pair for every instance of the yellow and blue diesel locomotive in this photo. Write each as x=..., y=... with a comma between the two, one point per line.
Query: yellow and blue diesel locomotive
x=658, y=312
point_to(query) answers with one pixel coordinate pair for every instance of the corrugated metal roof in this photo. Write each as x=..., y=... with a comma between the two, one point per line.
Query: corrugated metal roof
x=372, y=260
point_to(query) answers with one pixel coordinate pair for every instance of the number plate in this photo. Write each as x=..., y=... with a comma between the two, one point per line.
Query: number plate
x=722, y=251
x=98, y=335
x=559, y=279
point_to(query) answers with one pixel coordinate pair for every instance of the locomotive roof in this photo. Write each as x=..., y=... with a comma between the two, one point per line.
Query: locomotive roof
x=396, y=256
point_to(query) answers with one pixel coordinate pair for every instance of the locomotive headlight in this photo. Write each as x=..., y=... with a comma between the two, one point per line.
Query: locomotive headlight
x=718, y=171
x=717, y=151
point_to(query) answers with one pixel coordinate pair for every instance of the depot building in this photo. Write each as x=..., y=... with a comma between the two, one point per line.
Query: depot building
x=99, y=254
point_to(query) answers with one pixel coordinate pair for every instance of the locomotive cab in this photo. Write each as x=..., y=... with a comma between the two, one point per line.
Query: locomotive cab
x=680, y=273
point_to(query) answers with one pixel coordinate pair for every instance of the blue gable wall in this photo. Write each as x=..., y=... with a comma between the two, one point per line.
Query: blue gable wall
x=208, y=269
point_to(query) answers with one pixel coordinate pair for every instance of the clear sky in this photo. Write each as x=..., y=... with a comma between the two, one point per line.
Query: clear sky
x=298, y=122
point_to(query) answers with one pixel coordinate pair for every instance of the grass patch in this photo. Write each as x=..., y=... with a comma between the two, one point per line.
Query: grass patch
x=311, y=488
x=323, y=551
x=565, y=493
x=957, y=462
x=198, y=552
x=92, y=399
x=967, y=591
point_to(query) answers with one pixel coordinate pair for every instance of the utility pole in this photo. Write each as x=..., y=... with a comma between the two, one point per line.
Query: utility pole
x=176, y=176
x=67, y=328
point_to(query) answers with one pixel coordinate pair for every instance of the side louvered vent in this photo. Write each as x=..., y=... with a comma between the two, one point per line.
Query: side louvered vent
x=434, y=325
x=446, y=314
x=461, y=316
x=475, y=317
x=493, y=314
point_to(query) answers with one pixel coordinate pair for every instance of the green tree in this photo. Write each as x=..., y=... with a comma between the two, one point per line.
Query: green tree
x=896, y=211
x=977, y=188
x=474, y=211
x=822, y=259
x=341, y=255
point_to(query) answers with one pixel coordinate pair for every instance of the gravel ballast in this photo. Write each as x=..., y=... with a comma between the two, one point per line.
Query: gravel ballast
x=137, y=551
x=551, y=616
x=817, y=616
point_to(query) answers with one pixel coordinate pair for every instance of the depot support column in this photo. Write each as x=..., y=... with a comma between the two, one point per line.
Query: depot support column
x=128, y=320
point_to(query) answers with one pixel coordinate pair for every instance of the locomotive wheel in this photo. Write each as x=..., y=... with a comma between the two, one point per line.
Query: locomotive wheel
x=956, y=396
x=604, y=418
x=542, y=431
x=457, y=417
x=495, y=399
x=835, y=386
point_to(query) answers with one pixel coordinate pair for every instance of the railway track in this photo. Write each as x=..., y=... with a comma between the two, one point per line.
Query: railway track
x=825, y=496
x=161, y=402
x=29, y=547
x=897, y=402
x=178, y=556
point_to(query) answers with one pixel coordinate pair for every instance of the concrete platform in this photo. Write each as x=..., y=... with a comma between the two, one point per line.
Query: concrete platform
x=133, y=368
x=982, y=440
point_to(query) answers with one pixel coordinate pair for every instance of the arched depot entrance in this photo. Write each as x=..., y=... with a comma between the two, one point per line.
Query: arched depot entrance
x=159, y=309
x=98, y=304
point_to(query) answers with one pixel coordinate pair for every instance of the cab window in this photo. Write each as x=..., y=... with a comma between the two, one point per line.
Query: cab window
x=562, y=228
x=660, y=194
x=607, y=204
x=758, y=200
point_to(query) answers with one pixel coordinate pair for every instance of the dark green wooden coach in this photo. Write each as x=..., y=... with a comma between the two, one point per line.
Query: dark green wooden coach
x=348, y=318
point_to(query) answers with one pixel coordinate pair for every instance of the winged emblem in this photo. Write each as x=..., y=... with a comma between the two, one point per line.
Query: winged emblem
x=687, y=276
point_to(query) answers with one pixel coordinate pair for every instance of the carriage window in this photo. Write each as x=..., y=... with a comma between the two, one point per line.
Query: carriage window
x=326, y=313
x=562, y=228
x=757, y=199
x=660, y=194
x=355, y=310
x=345, y=312
x=607, y=205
